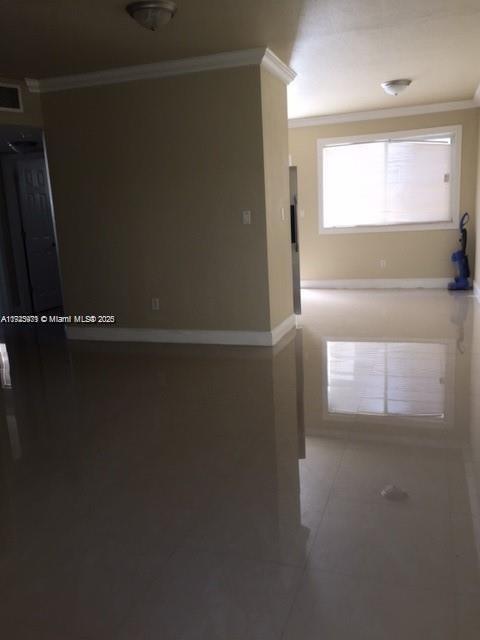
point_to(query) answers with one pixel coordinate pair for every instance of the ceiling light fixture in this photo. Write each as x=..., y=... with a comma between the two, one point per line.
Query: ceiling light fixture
x=394, y=87
x=152, y=15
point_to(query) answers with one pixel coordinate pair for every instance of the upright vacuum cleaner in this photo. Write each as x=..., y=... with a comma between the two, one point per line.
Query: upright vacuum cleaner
x=460, y=258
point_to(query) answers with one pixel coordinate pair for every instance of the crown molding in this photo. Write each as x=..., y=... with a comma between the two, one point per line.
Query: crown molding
x=33, y=85
x=276, y=67
x=229, y=60
x=379, y=114
x=476, y=96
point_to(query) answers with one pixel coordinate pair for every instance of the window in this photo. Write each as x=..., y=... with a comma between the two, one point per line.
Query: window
x=404, y=180
x=387, y=379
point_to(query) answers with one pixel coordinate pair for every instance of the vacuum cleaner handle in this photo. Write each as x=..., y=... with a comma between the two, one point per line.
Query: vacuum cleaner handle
x=463, y=232
x=464, y=221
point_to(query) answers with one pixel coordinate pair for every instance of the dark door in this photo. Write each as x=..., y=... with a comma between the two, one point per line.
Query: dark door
x=39, y=234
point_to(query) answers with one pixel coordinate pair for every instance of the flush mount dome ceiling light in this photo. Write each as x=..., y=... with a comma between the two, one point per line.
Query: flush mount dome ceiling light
x=394, y=87
x=152, y=15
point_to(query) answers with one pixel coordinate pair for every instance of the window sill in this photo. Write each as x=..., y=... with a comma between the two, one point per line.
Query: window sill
x=435, y=226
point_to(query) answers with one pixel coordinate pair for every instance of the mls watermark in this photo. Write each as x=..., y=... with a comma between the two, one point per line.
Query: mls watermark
x=56, y=319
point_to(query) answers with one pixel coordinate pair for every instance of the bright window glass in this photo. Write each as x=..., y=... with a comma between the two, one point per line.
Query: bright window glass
x=388, y=182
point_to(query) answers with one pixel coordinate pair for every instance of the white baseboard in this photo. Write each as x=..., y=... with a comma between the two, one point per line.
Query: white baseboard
x=239, y=338
x=282, y=329
x=378, y=283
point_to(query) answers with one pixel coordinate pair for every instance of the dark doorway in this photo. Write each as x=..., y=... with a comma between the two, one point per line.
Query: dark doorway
x=29, y=263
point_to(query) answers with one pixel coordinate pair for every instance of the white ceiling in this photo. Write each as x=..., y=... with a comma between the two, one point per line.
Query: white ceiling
x=344, y=49
x=341, y=49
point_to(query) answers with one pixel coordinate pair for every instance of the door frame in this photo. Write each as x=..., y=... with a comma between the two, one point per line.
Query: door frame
x=41, y=155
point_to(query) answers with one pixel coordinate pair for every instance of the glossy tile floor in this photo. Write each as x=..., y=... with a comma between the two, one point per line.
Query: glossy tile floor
x=220, y=493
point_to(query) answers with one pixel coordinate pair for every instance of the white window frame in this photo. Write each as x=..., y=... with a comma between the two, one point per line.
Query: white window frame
x=454, y=130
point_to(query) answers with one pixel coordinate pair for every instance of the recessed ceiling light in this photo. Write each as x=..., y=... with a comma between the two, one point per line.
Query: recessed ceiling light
x=394, y=87
x=152, y=15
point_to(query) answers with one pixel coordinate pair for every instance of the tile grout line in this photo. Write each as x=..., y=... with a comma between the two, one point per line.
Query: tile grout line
x=136, y=606
x=305, y=564
x=456, y=613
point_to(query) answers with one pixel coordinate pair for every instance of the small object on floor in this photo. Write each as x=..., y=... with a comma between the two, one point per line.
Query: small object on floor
x=391, y=492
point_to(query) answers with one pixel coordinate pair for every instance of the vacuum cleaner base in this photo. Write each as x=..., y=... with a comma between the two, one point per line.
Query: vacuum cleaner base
x=461, y=285
x=460, y=260
x=462, y=281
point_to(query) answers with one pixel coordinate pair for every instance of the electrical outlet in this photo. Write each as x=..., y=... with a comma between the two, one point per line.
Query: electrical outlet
x=302, y=213
x=155, y=304
x=283, y=214
x=383, y=263
x=246, y=217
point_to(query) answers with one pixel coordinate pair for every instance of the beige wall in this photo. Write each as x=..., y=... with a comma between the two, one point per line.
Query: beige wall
x=420, y=254
x=149, y=181
x=32, y=108
x=277, y=197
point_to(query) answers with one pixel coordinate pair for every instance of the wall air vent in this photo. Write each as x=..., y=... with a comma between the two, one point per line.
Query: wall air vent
x=10, y=97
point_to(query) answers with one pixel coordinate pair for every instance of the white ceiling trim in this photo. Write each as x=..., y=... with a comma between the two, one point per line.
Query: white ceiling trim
x=229, y=60
x=275, y=66
x=378, y=114
x=476, y=96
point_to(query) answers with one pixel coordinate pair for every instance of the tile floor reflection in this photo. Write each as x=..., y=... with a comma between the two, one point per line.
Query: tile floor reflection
x=387, y=378
x=223, y=493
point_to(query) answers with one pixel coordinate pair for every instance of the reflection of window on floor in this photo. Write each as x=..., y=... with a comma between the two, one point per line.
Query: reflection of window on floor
x=387, y=378
x=4, y=368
